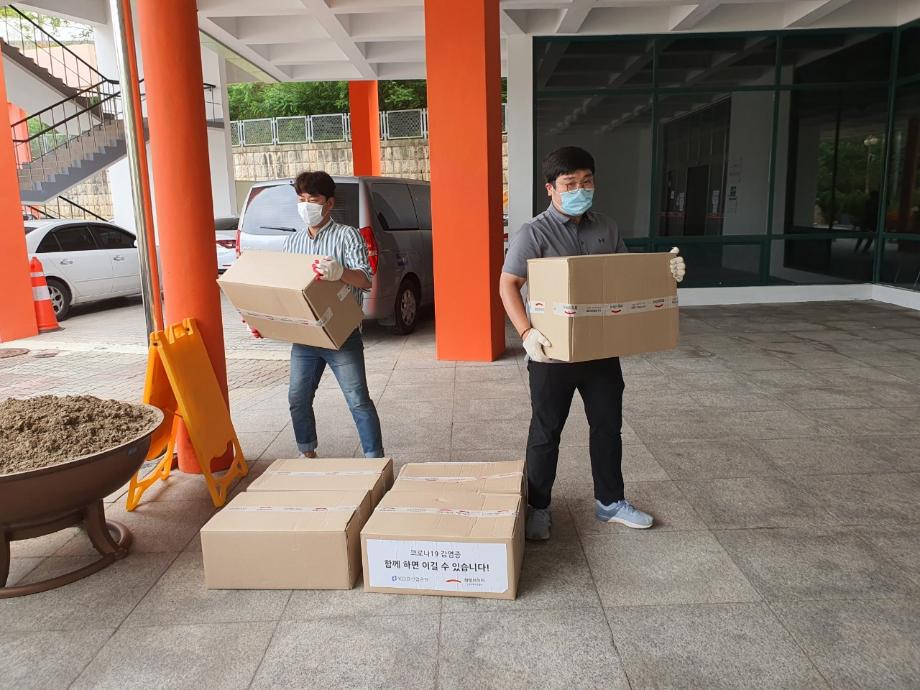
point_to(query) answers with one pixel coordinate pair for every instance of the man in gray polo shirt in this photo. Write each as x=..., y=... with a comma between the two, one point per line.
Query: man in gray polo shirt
x=569, y=228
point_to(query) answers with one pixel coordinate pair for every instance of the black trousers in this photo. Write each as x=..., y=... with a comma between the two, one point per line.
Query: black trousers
x=552, y=386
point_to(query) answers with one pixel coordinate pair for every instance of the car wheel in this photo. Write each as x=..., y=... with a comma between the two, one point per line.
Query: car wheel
x=60, y=298
x=407, y=304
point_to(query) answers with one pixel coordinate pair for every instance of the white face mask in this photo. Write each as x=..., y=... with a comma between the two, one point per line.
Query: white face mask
x=311, y=213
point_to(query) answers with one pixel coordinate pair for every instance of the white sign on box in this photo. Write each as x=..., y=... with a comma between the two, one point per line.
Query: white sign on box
x=438, y=565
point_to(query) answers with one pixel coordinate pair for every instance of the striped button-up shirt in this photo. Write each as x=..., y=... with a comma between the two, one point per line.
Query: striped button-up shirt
x=342, y=242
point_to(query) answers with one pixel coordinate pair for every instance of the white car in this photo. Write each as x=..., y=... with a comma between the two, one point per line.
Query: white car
x=226, y=230
x=84, y=261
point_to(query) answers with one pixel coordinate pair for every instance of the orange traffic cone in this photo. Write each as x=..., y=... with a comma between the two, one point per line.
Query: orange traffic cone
x=44, y=311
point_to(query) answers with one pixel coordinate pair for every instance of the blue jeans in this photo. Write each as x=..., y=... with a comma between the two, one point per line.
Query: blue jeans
x=307, y=366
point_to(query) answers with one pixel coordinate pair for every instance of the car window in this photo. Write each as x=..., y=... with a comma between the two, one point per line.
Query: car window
x=273, y=208
x=226, y=223
x=49, y=243
x=270, y=209
x=108, y=237
x=74, y=238
x=421, y=197
x=346, y=203
x=393, y=207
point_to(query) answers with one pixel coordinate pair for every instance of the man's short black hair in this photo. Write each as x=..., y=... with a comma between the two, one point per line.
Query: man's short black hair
x=316, y=183
x=566, y=160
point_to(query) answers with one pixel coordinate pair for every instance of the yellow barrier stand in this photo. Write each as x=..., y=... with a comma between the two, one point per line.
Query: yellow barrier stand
x=181, y=382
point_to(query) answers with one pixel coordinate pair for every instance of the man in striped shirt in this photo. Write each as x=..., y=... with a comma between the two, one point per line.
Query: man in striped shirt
x=344, y=257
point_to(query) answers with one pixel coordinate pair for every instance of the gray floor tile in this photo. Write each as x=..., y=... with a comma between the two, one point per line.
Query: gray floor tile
x=754, y=502
x=664, y=568
x=662, y=500
x=825, y=398
x=534, y=649
x=180, y=597
x=42, y=546
x=305, y=605
x=736, y=400
x=20, y=567
x=709, y=646
x=899, y=451
x=822, y=456
x=555, y=575
x=179, y=656
x=859, y=644
x=424, y=378
x=877, y=499
x=511, y=389
x=809, y=564
x=394, y=652
x=776, y=424
x=691, y=424
x=493, y=409
x=714, y=458
x=103, y=599
x=158, y=526
x=52, y=659
x=489, y=434
x=488, y=373
x=900, y=545
x=486, y=454
x=876, y=422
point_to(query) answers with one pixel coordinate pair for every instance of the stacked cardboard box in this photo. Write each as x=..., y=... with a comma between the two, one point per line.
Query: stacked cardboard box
x=297, y=527
x=451, y=529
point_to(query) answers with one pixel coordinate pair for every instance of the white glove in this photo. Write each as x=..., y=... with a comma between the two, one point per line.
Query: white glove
x=678, y=266
x=328, y=268
x=534, y=342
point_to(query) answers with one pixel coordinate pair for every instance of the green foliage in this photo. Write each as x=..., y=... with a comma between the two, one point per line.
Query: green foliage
x=856, y=167
x=63, y=30
x=255, y=100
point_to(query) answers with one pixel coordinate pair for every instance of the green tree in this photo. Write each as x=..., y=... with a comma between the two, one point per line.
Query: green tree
x=256, y=100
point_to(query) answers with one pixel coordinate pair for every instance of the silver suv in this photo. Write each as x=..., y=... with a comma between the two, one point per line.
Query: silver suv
x=394, y=218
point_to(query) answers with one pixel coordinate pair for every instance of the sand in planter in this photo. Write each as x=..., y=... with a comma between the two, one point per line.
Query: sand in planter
x=49, y=429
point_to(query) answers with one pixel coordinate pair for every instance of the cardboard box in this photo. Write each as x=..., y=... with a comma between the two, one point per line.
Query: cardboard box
x=279, y=295
x=286, y=540
x=505, y=477
x=603, y=305
x=454, y=543
x=328, y=474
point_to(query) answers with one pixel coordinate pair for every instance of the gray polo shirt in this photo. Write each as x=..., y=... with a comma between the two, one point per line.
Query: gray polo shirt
x=552, y=233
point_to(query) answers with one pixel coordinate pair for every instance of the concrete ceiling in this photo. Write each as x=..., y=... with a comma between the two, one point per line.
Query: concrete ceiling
x=307, y=40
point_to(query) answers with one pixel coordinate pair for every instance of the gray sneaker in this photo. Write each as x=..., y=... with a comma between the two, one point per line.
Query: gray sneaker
x=539, y=520
x=623, y=512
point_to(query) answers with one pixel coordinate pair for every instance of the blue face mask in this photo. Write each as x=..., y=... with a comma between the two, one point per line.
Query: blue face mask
x=577, y=201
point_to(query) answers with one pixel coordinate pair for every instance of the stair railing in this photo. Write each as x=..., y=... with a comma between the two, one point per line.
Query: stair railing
x=32, y=40
x=56, y=138
x=62, y=207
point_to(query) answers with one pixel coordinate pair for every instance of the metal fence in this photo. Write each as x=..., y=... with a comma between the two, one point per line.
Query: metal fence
x=394, y=124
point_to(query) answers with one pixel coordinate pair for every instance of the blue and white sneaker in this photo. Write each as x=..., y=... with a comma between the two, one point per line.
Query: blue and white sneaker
x=623, y=512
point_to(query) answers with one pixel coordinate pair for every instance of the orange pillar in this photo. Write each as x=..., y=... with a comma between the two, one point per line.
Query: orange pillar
x=17, y=314
x=365, y=127
x=181, y=178
x=464, y=125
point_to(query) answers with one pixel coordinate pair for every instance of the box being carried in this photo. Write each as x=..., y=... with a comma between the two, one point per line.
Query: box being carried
x=603, y=305
x=505, y=477
x=329, y=474
x=279, y=295
x=286, y=540
x=445, y=543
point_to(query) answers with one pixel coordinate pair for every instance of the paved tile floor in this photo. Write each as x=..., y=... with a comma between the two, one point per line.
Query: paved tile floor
x=777, y=448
